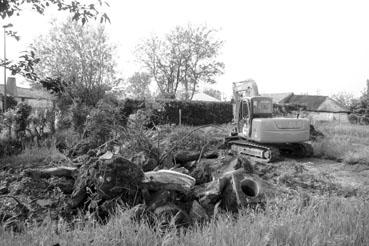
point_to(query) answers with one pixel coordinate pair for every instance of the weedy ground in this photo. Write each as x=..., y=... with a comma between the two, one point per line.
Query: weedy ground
x=317, y=218
x=318, y=221
x=344, y=142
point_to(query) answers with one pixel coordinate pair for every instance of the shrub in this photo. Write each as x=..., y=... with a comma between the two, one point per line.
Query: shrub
x=193, y=112
x=105, y=121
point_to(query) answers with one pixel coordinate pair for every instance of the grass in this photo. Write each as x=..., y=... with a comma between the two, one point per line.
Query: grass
x=32, y=157
x=324, y=221
x=344, y=142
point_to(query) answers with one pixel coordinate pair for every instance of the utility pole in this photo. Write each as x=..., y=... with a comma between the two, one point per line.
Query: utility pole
x=4, y=101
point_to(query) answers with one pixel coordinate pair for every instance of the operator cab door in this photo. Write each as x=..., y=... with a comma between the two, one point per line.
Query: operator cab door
x=245, y=121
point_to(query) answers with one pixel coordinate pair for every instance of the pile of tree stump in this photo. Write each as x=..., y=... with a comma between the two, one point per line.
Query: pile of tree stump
x=185, y=187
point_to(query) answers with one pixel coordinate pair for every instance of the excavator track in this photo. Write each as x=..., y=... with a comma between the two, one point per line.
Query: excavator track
x=268, y=153
x=255, y=151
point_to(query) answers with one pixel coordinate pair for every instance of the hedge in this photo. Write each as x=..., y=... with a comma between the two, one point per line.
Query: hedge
x=193, y=112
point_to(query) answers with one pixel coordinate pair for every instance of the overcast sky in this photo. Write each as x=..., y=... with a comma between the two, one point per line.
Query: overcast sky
x=315, y=47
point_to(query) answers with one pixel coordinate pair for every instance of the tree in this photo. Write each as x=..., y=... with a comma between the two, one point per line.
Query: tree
x=27, y=60
x=344, y=98
x=138, y=85
x=77, y=62
x=185, y=56
x=213, y=93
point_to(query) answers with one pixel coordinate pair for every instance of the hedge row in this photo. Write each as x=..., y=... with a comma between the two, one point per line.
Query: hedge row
x=193, y=112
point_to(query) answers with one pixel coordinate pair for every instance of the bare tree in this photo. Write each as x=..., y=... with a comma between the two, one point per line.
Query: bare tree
x=186, y=56
x=344, y=98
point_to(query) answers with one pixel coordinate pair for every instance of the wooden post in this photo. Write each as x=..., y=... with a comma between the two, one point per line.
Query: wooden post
x=180, y=117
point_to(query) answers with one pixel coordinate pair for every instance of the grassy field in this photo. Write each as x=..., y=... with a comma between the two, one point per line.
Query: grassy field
x=344, y=142
x=324, y=221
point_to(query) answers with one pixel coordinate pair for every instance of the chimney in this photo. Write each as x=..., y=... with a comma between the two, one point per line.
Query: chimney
x=11, y=86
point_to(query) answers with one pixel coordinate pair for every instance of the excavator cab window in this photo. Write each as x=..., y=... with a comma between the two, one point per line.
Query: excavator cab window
x=244, y=110
x=262, y=107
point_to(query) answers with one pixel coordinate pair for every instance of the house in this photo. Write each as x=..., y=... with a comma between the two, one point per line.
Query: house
x=204, y=97
x=277, y=97
x=318, y=108
x=33, y=97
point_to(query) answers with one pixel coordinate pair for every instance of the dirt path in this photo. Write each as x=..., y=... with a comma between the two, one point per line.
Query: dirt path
x=354, y=176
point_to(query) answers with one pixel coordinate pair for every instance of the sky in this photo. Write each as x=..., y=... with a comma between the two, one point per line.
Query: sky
x=311, y=47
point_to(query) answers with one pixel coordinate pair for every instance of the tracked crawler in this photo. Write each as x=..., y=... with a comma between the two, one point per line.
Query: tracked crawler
x=257, y=134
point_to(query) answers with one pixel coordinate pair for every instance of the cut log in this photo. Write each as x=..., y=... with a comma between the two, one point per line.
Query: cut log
x=117, y=176
x=168, y=180
x=67, y=172
x=240, y=190
x=187, y=156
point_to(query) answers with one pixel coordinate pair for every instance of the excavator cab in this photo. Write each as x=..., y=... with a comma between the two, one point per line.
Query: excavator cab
x=251, y=108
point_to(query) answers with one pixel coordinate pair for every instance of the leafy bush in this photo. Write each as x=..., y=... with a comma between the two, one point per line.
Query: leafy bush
x=105, y=121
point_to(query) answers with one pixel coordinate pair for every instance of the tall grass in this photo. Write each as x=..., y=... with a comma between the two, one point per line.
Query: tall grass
x=325, y=221
x=32, y=157
x=344, y=142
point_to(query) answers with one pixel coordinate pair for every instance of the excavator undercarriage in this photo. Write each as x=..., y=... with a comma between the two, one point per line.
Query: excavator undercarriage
x=268, y=152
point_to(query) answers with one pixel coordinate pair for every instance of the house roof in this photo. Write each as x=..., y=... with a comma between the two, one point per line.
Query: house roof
x=29, y=93
x=315, y=103
x=278, y=97
x=204, y=97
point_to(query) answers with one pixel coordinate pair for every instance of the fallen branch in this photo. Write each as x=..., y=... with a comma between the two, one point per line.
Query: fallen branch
x=67, y=172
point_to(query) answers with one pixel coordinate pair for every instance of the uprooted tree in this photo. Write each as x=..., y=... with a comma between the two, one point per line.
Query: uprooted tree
x=186, y=56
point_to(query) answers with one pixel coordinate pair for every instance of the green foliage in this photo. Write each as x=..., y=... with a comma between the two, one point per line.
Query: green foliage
x=76, y=62
x=27, y=61
x=138, y=86
x=193, y=112
x=79, y=115
x=105, y=121
x=23, y=112
x=11, y=103
x=186, y=56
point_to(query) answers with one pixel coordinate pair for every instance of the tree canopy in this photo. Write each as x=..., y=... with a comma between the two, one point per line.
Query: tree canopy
x=80, y=12
x=186, y=56
x=77, y=61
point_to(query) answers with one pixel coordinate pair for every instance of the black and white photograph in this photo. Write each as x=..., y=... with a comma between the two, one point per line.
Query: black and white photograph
x=175, y=123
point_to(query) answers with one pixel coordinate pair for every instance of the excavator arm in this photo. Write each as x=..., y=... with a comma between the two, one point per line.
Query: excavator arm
x=242, y=89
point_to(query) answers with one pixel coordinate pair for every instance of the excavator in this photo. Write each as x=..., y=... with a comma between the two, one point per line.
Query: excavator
x=260, y=136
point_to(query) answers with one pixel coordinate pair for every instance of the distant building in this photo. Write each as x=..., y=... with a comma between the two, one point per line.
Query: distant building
x=204, y=97
x=319, y=108
x=277, y=97
x=32, y=97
